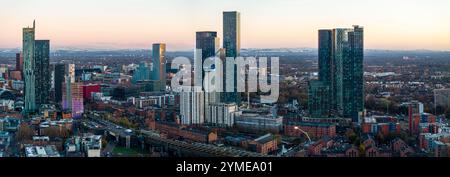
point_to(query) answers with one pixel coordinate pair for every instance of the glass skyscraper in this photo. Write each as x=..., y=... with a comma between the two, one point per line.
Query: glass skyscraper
x=159, y=65
x=42, y=71
x=159, y=61
x=28, y=70
x=318, y=102
x=232, y=33
x=59, y=80
x=341, y=54
x=232, y=45
x=208, y=43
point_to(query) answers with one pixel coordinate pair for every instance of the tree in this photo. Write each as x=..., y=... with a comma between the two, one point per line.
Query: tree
x=362, y=150
x=54, y=132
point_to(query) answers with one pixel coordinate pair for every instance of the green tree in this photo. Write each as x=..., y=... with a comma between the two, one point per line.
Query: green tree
x=362, y=150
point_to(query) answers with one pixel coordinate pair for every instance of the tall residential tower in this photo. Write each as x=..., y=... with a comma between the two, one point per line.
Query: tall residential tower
x=341, y=55
x=28, y=69
x=232, y=44
x=42, y=71
x=159, y=65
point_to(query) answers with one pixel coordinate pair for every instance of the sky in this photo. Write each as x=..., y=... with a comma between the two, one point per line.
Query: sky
x=136, y=24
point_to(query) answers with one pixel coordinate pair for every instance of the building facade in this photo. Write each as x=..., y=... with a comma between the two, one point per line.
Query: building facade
x=192, y=106
x=221, y=114
x=159, y=64
x=19, y=62
x=232, y=45
x=318, y=99
x=28, y=69
x=341, y=55
x=42, y=71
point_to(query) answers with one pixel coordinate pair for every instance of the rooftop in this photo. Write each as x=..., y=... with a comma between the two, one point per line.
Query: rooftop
x=41, y=151
x=264, y=139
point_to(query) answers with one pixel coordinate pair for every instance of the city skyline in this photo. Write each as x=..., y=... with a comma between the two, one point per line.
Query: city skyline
x=286, y=24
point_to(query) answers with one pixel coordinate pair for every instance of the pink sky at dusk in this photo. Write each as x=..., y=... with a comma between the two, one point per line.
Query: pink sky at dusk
x=400, y=24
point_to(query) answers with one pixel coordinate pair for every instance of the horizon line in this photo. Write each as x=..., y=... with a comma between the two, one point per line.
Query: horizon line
x=188, y=50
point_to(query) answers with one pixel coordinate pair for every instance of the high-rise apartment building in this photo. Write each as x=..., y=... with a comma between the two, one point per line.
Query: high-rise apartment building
x=318, y=99
x=73, y=98
x=232, y=44
x=42, y=71
x=192, y=106
x=28, y=69
x=159, y=65
x=61, y=72
x=222, y=114
x=19, y=61
x=341, y=55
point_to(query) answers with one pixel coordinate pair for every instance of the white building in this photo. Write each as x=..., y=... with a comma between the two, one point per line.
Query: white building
x=222, y=114
x=92, y=145
x=9, y=104
x=41, y=151
x=192, y=106
x=159, y=100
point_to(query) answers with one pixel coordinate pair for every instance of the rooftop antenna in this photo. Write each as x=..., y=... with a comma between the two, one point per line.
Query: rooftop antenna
x=34, y=23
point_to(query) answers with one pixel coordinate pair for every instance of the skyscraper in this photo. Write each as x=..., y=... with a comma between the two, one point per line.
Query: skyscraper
x=348, y=56
x=63, y=71
x=232, y=33
x=318, y=99
x=209, y=44
x=325, y=56
x=232, y=45
x=73, y=98
x=59, y=81
x=42, y=71
x=19, y=62
x=159, y=65
x=28, y=70
x=341, y=54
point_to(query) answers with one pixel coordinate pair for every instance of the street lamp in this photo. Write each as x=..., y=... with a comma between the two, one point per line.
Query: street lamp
x=297, y=128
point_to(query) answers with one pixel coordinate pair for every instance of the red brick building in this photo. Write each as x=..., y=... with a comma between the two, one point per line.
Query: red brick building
x=314, y=129
x=264, y=144
x=175, y=131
